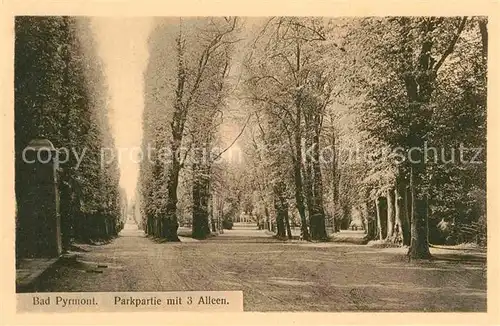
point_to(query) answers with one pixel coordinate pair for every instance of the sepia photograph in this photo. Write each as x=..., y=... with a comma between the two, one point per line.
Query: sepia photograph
x=265, y=164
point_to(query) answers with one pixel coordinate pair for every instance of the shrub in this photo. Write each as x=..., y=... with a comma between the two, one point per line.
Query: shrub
x=227, y=224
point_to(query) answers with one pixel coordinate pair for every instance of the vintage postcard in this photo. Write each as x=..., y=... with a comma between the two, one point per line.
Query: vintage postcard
x=297, y=158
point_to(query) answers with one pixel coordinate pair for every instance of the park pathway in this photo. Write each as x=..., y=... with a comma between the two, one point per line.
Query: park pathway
x=275, y=275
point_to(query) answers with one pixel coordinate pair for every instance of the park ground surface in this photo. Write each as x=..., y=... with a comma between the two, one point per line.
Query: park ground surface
x=279, y=276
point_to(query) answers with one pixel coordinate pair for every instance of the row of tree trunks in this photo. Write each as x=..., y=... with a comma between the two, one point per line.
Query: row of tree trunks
x=317, y=214
x=91, y=227
x=402, y=217
x=200, y=196
x=200, y=192
x=392, y=215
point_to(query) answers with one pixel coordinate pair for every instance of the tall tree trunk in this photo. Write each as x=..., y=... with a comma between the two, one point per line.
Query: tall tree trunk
x=220, y=214
x=307, y=171
x=281, y=208
x=205, y=197
x=398, y=221
x=383, y=216
x=213, y=224
x=403, y=202
x=365, y=217
x=268, y=218
x=211, y=209
x=200, y=229
x=419, y=245
x=379, y=218
x=197, y=223
x=280, y=223
x=390, y=214
x=287, y=223
x=200, y=194
x=297, y=170
x=372, y=228
x=335, y=183
x=299, y=199
x=317, y=220
x=280, y=220
x=169, y=224
x=419, y=78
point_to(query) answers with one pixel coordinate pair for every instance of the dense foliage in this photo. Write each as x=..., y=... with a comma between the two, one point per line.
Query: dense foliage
x=185, y=96
x=348, y=120
x=60, y=95
x=368, y=95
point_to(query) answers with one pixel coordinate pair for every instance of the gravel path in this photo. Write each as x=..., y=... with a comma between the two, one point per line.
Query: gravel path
x=279, y=276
